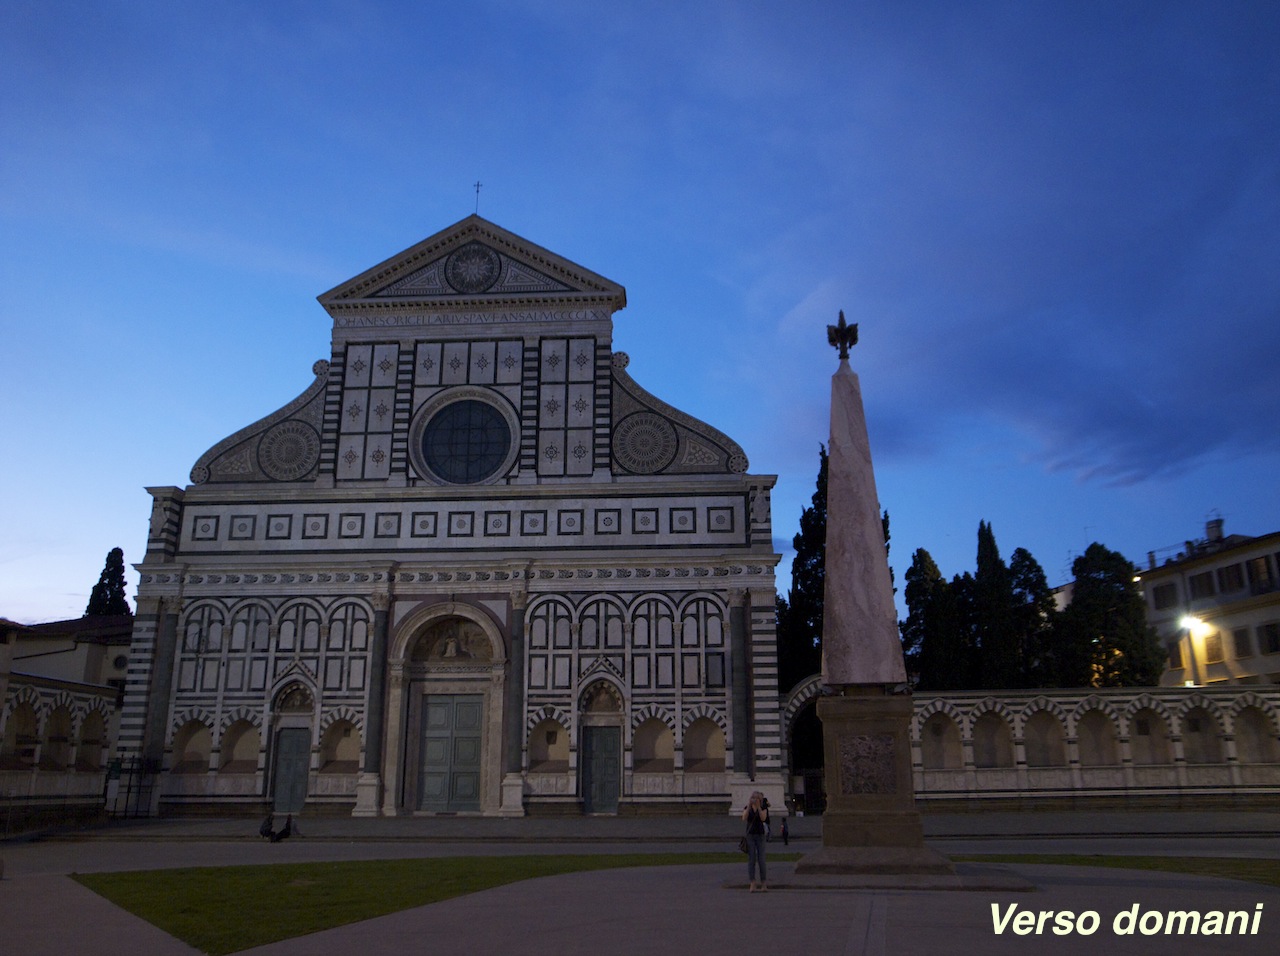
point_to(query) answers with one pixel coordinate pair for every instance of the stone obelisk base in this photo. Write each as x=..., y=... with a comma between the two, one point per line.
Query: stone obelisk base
x=871, y=825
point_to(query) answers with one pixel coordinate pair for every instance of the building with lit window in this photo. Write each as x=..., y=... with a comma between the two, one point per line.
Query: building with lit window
x=1216, y=609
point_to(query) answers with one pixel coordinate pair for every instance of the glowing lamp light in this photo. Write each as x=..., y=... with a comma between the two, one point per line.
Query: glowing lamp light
x=1194, y=625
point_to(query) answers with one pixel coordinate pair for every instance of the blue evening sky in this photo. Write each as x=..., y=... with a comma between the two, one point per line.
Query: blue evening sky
x=1058, y=225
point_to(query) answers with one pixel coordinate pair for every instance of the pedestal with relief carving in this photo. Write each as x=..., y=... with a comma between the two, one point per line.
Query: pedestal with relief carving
x=871, y=825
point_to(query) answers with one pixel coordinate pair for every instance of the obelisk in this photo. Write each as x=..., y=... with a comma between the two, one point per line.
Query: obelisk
x=870, y=825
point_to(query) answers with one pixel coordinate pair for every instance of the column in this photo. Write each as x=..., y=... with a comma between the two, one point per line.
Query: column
x=369, y=786
x=513, y=711
x=740, y=683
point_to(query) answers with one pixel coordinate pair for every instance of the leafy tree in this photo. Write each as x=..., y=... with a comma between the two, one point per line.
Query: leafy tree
x=107, y=596
x=1103, y=633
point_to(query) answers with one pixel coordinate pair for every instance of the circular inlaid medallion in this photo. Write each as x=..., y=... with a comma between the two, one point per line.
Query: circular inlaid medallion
x=644, y=443
x=289, y=450
x=472, y=269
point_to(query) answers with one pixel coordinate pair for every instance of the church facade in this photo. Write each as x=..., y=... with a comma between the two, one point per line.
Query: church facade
x=474, y=567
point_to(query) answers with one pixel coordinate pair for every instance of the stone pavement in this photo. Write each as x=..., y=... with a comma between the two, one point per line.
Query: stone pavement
x=666, y=910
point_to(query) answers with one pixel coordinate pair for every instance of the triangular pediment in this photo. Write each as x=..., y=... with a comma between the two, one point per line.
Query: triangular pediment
x=474, y=264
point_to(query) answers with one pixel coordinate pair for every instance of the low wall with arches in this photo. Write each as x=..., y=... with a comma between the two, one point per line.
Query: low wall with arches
x=1166, y=746
x=56, y=738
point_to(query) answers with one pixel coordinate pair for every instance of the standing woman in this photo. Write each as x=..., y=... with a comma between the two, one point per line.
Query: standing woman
x=756, y=816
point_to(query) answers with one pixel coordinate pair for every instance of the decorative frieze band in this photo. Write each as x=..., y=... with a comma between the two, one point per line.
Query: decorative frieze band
x=476, y=576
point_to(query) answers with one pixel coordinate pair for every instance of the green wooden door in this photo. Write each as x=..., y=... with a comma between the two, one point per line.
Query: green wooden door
x=292, y=765
x=449, y=779
x=601, y=769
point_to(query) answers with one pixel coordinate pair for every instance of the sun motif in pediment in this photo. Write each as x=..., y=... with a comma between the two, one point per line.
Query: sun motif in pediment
x=472, y=269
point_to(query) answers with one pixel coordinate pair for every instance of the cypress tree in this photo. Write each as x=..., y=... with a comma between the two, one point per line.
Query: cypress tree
x=923, y=581
x=800, y=613
x=1034, y=612
x=107, y=596
x=995, y=629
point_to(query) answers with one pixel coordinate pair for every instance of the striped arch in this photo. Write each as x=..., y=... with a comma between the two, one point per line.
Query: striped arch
x=349, y=714
x=1146, y=702
x=1209, y=706
x=699, y=711
x=63, y=699
x=1090, y=703
x=183, y=717
x=936, y=706
x=246, y=714
x=988, y=705
x=99, y=708
x=801, y=694
x=549, y=712
x=1033, y=707
x=654, y=712
x=1250, y=699
x=28, y=696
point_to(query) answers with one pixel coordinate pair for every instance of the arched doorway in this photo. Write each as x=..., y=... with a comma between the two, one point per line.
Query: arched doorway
x=804, y=747
x=446, y=701
x=601, y=757
x=807, y=760
x=294, y=711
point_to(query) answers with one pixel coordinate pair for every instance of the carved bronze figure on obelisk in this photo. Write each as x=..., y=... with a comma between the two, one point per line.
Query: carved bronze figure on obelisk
x=871, y=825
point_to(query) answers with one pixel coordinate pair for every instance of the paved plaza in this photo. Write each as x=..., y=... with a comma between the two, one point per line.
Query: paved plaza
x=684, y=909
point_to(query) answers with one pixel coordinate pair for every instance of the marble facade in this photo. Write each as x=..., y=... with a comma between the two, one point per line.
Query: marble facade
x=474, y=567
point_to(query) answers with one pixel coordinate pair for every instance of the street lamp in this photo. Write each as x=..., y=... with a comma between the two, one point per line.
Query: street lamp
x=1195, y=628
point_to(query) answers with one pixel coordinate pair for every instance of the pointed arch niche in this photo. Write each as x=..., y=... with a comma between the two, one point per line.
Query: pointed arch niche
x=444, y=715
x=601, y=709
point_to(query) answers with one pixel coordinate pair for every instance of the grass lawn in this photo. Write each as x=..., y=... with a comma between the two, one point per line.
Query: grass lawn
x=1233, y=868
x=222, y=910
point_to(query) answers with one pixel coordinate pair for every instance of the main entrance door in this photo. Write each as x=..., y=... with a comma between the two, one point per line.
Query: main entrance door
x=601, y=768
x=450, y=753
x=293, y=763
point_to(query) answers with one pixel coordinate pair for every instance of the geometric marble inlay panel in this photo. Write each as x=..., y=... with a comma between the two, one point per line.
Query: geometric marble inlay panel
x=683, y=521
x=720, y=519
x=205, y=528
